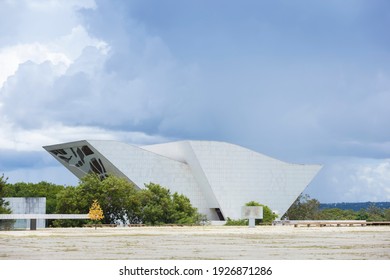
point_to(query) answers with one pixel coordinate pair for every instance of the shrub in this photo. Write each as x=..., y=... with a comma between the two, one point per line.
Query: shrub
x=231, y=222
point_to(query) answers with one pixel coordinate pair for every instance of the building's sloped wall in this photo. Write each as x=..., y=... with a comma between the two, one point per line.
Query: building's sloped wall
x=182, y=151
x=238, y=175
x=27, y=205
x=230, y=175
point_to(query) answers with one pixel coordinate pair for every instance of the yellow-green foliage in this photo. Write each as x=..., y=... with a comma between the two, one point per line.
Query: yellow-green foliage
x=95, y=212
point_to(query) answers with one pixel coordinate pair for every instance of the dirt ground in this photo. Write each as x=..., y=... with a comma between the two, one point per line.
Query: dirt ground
x=193, y=243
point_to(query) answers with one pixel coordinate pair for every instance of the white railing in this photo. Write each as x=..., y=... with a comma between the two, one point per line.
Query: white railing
x=42, y=216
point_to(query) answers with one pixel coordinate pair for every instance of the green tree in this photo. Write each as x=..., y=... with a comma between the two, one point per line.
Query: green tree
x=113, y=193
x=4, y=206
x=133, y=208
x=41, y=189
x=184, y=213
x=362, y=214
x=69, y=201
x=386, y=214
x=121, y=201
x=375, y=213
x=116, y=193
x=159, y=206
x=336, y=214
x=303, y=208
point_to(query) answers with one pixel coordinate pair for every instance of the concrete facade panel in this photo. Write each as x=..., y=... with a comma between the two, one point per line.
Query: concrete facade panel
x=27, y=205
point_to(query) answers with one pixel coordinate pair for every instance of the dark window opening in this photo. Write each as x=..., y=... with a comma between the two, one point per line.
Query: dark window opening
x=58, y=152
x=97, y=167
x=86, y=150
x=220, y=215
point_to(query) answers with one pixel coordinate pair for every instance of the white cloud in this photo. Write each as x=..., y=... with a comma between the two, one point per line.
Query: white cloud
x=50, y=5
x=353, y=180
x=38, y=31
x=19, y=139
x=375, y=180
x=12, y=57
x=63, y=50
x=73, y=43
x=98, y=85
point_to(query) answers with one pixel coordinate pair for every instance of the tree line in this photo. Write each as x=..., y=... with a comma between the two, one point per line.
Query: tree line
x=307, y=208
x=119, y=199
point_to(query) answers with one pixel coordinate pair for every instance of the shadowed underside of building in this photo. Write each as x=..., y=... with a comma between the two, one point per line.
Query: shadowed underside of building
x=217, y=177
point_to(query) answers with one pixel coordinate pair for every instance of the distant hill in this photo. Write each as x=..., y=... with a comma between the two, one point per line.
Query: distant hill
x=356, y=206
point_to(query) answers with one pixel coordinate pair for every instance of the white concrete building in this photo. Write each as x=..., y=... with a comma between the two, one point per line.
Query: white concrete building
x=218, y=178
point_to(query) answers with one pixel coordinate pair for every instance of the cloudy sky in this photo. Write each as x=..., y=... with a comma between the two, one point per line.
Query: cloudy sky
x=303, y=81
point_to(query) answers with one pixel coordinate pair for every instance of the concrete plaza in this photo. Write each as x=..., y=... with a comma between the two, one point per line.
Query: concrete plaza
x=208, y=242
